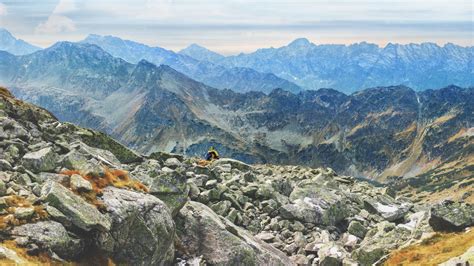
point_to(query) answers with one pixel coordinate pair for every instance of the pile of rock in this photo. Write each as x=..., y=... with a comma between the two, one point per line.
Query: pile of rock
x=312, y=215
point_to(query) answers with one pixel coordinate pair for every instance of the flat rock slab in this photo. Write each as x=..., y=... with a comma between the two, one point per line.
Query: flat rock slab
x=82, y=214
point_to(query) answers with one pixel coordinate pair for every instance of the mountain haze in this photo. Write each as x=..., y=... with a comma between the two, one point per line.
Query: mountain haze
x=349, y=68
x=379, y=133
x=240, y=79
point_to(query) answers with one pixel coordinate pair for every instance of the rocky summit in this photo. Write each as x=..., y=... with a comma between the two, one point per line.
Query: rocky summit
x=70, y=194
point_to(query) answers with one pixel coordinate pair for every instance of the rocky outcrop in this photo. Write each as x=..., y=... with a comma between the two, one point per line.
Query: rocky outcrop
x=49, y=235
x=81, y=213
x=201, y=232
x=142, y=230
x=451, y=216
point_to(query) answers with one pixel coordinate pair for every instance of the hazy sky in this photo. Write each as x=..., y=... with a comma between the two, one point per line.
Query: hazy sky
x=233, y=26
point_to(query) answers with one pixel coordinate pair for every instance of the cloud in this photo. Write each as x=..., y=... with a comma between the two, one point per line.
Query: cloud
x=56, y=24
x=3, y=9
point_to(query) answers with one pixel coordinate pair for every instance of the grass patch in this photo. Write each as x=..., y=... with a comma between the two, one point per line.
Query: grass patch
x=110, y=177
x=435, y=250
x=9, y=220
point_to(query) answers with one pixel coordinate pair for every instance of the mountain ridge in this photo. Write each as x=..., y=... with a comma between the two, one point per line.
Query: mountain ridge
x=378, y=133
x=15, y=46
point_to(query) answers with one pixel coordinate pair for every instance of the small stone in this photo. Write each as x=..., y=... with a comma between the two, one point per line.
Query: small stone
x=297, y=226
x=78, y=183
x=24, y=212
x=172, y=163
x=3, y=204
x=43, y=160
x=211, y=183
x=232, y=215
x=299, y=259
x=3, y=188
x=357, y=229
x=5, y=165
x=290, y=249
x=265, y=236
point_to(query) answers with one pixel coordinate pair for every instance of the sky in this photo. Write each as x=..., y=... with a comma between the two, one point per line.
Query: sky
x=234, y=26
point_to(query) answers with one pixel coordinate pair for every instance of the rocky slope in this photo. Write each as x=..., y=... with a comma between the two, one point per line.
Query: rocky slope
x=68, y=193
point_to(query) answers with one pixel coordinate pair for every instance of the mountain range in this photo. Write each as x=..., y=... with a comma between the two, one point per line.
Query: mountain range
x=300, y=65
x=240, y=79
x=362, y=65
x=381, y=133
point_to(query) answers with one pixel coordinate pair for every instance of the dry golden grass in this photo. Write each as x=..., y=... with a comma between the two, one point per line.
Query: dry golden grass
x=13, y=202
x=433, y=251
x=111, y=177
x=445, y=118
x=407, y=132
x=41, y=259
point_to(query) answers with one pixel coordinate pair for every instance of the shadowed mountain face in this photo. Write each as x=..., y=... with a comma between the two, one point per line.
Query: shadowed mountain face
x=15, y=46
x=358, y=66
x=379, y=133
x=240, y=79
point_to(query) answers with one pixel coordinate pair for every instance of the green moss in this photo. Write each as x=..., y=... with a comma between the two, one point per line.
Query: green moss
x=102, y=141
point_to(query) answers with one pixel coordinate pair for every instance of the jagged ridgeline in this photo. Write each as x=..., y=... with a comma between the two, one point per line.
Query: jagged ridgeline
x=379, y=133
x=73, y=195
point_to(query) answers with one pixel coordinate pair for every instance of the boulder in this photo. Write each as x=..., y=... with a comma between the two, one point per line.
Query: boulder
x=173, y=163
x=43, y=160
x=163, y=156
x=81, y=213
x=172, y=189
x=332, y=254
x=302, y=211
x=379, y=241
x=451, y=216
x=329, y=203
x=202, y=232
x=387, y=207
x=3, y=188
x=49, y=235
x=142, y=230
x=78, y=183
x=241, y=166
x=356, y=228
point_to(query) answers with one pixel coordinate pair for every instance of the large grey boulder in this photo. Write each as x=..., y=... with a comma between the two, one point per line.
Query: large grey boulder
x=81, y=213
x=11, y=129
x=302, y=211
x=233, y=163
x=142, y=231
x=43, y=160
x=451, y=216
x=332, y=254
x=387, y=207
x=49, y=235
x=202, y=232
x=329, y=203
x=379, y=241
x=170, y=187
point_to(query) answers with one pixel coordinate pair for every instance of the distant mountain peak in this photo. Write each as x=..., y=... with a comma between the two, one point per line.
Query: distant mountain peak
x=15, y=46
x=201, y=53
x=300, y=42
